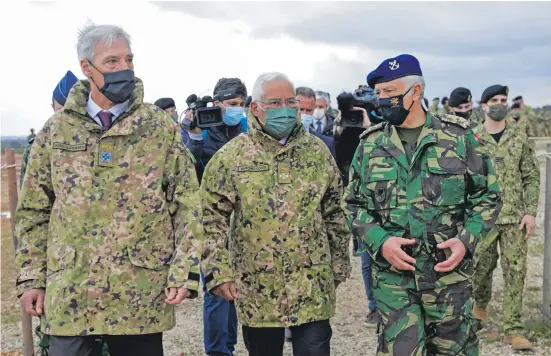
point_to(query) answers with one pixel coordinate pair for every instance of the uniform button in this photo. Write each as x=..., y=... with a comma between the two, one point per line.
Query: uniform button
x=92, y=329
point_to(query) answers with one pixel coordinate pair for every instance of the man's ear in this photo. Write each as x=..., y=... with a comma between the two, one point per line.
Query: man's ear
x=86, y=68
x=417, y=92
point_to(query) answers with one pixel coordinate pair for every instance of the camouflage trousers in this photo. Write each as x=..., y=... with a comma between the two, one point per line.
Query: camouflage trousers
x=513, y=247
x=424, y=321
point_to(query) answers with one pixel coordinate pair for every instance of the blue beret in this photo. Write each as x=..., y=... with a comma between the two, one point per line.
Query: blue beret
x=62, y=88
x=394, y=68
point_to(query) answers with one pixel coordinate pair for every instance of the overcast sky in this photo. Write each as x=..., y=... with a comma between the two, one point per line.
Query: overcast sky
x=184, y=47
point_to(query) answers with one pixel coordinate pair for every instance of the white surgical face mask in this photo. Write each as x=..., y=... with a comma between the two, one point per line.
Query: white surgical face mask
x=319, y=113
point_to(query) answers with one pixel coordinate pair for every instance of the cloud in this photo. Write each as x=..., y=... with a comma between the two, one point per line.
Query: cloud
x=474, y=44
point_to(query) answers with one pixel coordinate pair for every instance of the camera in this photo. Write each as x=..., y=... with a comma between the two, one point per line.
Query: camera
x=366, y=100
x=205, y=113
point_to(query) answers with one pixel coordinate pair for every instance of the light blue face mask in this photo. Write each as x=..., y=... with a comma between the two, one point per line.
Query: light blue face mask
x=233, y=115
x=307, y=120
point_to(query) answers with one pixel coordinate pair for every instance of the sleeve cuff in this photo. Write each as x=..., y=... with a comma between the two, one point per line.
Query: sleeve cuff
x=212, y=282
x=195, y=136
x=375, y=238
x=27, y=285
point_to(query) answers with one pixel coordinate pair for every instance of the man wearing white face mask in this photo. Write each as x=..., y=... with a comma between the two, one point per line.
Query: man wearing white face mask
x=324, y=122
x=307, y=102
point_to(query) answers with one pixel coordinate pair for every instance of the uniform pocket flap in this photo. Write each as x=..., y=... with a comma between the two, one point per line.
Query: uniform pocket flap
x=446, y=165
x=60, y=257
x=150, y=256
x=381, y=174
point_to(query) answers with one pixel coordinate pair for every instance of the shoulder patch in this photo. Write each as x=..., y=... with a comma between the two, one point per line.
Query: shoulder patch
x=452, y=119
x=371, y=129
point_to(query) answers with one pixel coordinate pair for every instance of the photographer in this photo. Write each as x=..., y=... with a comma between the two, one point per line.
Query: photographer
x=204, y=143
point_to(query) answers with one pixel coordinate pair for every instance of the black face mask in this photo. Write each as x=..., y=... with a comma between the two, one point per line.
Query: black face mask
x=466, y=115
x=393, y=109
x=117, y=86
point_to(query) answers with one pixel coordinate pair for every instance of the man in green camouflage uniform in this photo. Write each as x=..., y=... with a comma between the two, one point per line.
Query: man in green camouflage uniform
x=289, y=247
x=108, y=225
x=435, y=108
x=461, y=104
x=517, y=168
x=421, y=194
x=531, y=117
x=520, y=122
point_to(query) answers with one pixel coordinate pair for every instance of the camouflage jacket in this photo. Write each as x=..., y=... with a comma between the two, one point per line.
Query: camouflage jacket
x=436, y=109
x=25, y=161
x=522, y=125
x=290, y=239
x=518, y=173
x=108, y=219
x=450, y=189
x=476, y=118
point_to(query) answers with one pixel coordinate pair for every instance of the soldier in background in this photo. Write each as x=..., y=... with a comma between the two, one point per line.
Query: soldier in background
x=59, y=97
x=518, y=172
x=461, y=104
x=434, y=108
x=169, y=106
x=516, y=119
x=421, y=209
x=528, y=113
x=289, y=249
x=108, y=225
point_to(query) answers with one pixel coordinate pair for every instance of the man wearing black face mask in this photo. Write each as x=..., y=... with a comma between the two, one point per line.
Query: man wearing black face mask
x=421, y=194
x=108, y=224
x=461, y=104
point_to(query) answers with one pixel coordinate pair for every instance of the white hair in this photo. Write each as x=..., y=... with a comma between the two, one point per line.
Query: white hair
x=258, y=88
x=411, y=80
x=323, y=96
x=92, y=34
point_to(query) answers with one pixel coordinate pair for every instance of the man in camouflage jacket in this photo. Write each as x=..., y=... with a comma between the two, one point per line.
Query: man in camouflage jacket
x=517, y=168
x=421, y=204
x=289, y=247
x=108, y=225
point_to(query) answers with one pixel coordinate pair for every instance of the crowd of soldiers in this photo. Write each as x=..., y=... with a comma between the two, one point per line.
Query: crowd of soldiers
x=124, y=213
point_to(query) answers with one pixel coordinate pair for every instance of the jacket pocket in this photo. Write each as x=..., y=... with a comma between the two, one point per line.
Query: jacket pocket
x=151, y=256
x=381, y=191
x=60, y=257
x=444, y=183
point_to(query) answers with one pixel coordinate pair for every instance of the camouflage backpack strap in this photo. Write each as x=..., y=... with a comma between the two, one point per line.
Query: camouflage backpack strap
x=452, y=119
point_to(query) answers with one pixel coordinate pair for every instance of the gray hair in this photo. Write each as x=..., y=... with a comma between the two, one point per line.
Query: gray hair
x=258, y=88
x=92, y=34
x=321, y=95
x=411, y=80
x=307, y=92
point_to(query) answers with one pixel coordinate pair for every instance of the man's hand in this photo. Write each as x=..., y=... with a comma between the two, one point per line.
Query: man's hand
x=393, y=253
x=189, y=117
x=366, y=122
x=458, y=252
x=33, y=301
x=175, y=296
x=226, y=291
x=530, y=223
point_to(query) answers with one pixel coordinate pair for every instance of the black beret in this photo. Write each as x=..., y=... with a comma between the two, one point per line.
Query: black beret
x=165, y=103
x=444, y=99
x=515, y=106
x=460, y=96
x=437, y=98
x=493, y=91
x=518, y=98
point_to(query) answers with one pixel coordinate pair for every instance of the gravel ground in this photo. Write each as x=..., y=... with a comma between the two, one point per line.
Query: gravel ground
x=350, y=337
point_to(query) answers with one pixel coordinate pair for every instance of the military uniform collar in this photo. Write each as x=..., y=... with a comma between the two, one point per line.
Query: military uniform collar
x=481, y=132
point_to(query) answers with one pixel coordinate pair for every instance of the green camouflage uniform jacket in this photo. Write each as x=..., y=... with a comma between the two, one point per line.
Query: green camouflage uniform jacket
x=476, y=118
x=517, y=170
x=522, y=125
x=108, y=219
x=449, y=191
x=290, y=239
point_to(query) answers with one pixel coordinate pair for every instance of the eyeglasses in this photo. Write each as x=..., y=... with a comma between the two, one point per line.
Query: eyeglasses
x=276, y=103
